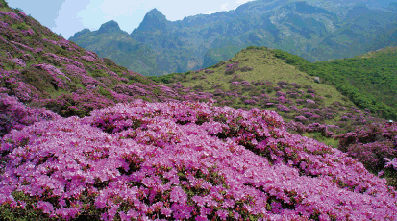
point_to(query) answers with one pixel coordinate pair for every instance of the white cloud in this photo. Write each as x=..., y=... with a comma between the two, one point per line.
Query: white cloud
x=243, y=1
x=224, y=6
x=210, y=12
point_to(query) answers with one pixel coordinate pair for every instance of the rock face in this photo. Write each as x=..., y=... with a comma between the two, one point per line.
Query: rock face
x=109, y=27
x=314, y=30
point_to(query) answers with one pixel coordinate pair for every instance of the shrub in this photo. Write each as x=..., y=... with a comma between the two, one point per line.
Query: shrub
x=301, y=118
x=246, y=68
x=198, y=87
x=15, y=115
x=371, y=144
x=230, y=71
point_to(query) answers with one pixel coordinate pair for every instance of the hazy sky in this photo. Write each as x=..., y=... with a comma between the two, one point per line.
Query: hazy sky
x=66, y=17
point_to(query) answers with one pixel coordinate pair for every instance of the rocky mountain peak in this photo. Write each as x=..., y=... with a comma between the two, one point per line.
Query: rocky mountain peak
x=153, y=20
x=109, y=27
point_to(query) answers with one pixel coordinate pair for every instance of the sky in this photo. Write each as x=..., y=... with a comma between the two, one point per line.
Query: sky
x=66, y=17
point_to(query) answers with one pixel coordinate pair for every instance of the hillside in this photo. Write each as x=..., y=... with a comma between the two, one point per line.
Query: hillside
x=256, y=77
x=314, y=30
x=41, y=69
x=368, y=80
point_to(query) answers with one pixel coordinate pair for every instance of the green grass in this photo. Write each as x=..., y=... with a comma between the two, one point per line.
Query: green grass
x=327, y=140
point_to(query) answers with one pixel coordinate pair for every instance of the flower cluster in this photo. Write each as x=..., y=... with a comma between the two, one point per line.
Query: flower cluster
x=231, y=68
x=12, y=15
x=29, y=32
x=391, y=163
x=22, y=46
x=55, y=72
x=15, y=115
x=325, y=130
x=87, y=58
x=19, y=62
x=371, y=144
x=175, y=160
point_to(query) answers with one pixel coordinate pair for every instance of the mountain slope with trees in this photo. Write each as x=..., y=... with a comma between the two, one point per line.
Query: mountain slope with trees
x=368, y=80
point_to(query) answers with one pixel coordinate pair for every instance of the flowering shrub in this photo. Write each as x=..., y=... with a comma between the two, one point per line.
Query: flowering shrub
x=12, y=15
x=184, y=161
x=231, y=68
x=78, y=104
x=87, y=58
x=277, y=88
x=250, y=102
x=15, y=115
x=22, y=46
x=54, y=71
x=29, y=32
x=19, y=62
x=280, y=93
x=371, y=144
x=310, y=101
x=246, y=68
x=283, y=108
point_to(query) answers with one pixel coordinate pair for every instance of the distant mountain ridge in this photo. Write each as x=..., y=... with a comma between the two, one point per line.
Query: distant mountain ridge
x=313, y=29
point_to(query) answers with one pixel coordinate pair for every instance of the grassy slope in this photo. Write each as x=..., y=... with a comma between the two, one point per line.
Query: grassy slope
x=271, y=70
x=267, y=68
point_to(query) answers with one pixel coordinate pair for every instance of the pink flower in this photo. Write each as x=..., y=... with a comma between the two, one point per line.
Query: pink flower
x=45, y=206
x=223, y=214
x=166, y=212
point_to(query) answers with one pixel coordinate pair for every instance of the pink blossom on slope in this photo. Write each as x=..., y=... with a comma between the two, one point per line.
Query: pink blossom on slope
x=162, y=159
x=391, y=163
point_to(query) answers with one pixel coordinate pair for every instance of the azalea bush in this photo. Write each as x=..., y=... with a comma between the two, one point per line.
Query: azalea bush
x=371, y=144
x=78, y=104
x=183, y=160
x=15, y=115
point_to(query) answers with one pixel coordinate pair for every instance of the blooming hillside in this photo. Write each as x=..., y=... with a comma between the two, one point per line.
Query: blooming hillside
x=172, y=161
x=42, y=69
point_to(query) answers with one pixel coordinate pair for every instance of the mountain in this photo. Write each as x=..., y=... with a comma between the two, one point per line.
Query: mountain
x=83, y=138
x=316, y=30
x=109, y=39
